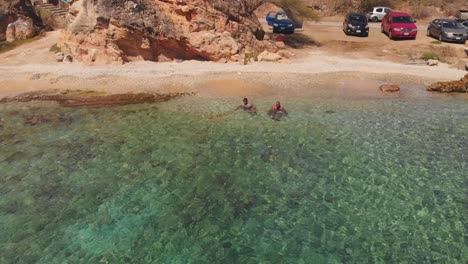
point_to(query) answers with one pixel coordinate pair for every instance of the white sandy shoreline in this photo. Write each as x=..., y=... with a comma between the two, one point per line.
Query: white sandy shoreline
x=316, y=63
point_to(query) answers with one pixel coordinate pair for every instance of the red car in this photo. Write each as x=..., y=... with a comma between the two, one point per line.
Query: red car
x=399, y=25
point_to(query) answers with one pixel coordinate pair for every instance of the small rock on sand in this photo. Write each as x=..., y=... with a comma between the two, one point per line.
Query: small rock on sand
x=67, y=59
x=59, y=56
x=390, y=88
x=269, y=56
x=432, y=62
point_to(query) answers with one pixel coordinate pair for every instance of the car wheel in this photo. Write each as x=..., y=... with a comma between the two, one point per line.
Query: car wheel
x=428, y=33
x=375, y=19
x=390, y=36
x=440, y=37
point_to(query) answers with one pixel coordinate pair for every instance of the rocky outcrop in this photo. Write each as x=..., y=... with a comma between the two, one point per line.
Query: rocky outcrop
x=21, y=29
x=11, y=10
x=102, y=31
x=389, y=88
x=5, y=20
x=460, y=86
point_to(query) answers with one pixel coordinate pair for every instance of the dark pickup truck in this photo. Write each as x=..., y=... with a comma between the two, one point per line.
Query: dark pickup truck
x=281, y=23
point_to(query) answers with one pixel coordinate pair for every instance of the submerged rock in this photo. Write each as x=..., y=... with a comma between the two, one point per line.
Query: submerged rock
x=39, y=119
x=389, y=88
x=460, y=86
x=90, y=99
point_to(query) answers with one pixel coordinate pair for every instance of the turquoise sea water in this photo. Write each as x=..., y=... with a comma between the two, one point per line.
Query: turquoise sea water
x=338, y=181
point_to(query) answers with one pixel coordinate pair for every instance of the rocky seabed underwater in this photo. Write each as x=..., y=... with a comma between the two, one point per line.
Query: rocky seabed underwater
x=192, y=181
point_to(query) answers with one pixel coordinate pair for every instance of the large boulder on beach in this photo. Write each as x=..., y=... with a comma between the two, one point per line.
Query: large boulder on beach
x=21, y=29
x=460, y=86
x=103, y=32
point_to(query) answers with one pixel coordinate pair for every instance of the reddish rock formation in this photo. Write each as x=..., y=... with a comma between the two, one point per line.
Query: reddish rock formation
x=102, y=31
x=460, y=86
x=21, y=29
x=10, y=10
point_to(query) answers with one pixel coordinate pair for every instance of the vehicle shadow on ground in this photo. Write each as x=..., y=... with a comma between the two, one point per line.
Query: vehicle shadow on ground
x=300, y=41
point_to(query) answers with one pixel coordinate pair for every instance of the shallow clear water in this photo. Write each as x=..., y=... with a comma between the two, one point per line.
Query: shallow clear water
x=186, y=181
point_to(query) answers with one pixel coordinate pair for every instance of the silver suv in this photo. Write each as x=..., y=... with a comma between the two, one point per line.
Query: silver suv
x=377, y=13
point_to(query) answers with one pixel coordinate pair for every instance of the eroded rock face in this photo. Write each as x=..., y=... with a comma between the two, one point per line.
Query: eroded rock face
x=21, y=29
x=118, y=31
x=10, y=10
x=460, y=86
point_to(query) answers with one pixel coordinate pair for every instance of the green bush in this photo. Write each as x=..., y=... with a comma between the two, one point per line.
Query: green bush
x=430, y=56
x=55, y=48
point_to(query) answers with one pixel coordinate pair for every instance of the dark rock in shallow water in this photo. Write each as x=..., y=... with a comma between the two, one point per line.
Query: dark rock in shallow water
x=39, y=119
x=89, y=99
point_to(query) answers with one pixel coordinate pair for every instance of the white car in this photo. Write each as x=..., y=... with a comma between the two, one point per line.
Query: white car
x=377, y=13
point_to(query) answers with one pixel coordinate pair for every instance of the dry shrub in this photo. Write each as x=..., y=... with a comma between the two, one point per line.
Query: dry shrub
x=451, y=11
x=447, y=51
x=367, y=5
x=422, y=12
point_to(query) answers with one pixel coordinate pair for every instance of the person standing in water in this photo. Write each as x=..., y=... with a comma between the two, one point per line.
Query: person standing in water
x=277, y=111
x=248, y=107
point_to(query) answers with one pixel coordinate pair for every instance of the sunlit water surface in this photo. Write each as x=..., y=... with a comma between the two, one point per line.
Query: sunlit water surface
x=191, y=181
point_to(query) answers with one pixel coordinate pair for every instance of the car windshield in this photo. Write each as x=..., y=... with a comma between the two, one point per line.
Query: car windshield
x=282, y=17
x=451, y=24
x=360, y=19
x=402, y=19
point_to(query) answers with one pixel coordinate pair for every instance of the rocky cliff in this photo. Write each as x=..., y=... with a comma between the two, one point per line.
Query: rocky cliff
x=118, y=31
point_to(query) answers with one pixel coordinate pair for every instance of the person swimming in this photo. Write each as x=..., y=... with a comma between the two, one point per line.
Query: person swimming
x=277, y=111
x=248, y=107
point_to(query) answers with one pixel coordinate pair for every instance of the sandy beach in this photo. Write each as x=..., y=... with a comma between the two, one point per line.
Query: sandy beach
x=32, y=67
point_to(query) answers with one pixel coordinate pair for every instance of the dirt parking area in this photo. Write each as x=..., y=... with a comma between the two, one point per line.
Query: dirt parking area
x=328, y=36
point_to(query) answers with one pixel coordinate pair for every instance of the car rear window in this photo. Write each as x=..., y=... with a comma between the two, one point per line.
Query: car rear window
x=402, y=19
